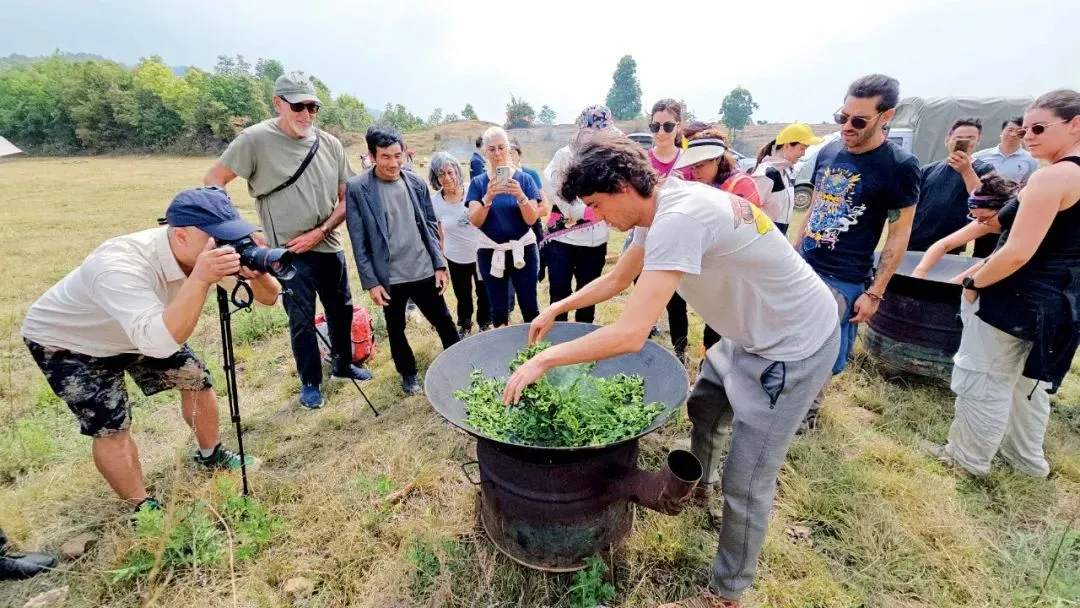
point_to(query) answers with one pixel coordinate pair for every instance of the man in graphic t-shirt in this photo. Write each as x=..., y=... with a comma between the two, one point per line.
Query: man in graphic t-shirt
x=862, y=182
x=730, y=263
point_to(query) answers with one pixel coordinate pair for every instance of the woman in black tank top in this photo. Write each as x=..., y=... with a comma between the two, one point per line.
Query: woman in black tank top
x=1021, y=308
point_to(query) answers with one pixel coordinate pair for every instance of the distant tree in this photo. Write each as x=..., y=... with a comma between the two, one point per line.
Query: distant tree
x=519, y=113
x=232, y=66
x=736, y=109
x=469, y=113
x=435, y=119
x=624, y=97
x=268, y=69
x=451, y=118
x=687, y=115
x=762, y=122
x=398, y=116
x=547, y=116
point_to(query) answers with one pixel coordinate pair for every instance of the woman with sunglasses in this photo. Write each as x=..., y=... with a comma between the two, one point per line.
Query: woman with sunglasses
x=459, y=240
x=772, y=174
x=503, y=204
x=1019, y=307
x=992, y=209
x=665, y=124
x=708, y=160
x=575, y=246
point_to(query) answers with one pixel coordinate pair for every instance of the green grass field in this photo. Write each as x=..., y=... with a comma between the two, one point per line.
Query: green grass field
x=375, y=512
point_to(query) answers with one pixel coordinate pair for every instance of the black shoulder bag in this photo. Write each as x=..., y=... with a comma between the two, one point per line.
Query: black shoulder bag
x=295, y=176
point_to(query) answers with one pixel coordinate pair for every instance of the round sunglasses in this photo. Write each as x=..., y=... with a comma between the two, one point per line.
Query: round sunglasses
x=857, y=122
x=668, y=127
x=1038, y=128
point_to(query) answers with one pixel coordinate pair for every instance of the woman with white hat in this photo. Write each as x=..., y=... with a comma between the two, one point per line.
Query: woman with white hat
x=772, y=174
x=708, y=160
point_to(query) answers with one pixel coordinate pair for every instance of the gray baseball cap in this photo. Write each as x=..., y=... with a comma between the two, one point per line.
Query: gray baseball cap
x=295, y=87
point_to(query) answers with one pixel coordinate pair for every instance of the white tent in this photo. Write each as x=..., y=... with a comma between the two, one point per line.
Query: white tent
x=7, y=148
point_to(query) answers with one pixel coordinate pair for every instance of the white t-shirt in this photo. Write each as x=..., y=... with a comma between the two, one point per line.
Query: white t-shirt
x=461, y=236
x=739, y=273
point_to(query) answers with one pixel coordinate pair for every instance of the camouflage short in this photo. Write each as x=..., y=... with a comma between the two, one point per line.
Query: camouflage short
x=93, y=387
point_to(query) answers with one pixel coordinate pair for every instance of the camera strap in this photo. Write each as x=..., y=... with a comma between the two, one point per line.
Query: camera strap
x=295, y=176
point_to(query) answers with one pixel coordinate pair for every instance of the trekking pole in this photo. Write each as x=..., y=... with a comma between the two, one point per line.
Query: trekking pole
x=229, y=364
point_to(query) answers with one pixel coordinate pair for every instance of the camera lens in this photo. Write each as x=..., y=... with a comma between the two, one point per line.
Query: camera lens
x=277, y=262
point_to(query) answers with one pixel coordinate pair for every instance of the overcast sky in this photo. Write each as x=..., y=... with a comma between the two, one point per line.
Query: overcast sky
x=796, y=57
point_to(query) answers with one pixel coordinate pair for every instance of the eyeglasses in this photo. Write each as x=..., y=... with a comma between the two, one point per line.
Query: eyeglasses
x=310, y=106
x=1038, y=128
x=857, y=122
x=668, y=127
x=494, y=149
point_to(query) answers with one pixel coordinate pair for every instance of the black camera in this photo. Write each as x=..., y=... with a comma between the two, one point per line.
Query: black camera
x=277, y=262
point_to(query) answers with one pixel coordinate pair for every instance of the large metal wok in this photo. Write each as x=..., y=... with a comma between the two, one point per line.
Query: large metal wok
x=553, y=508
x=917, y=328
x=491, y=351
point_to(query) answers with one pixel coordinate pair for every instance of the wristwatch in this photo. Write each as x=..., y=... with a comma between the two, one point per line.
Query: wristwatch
x=969, y=283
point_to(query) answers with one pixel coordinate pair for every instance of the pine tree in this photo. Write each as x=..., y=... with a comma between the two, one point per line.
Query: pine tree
x=624, y=97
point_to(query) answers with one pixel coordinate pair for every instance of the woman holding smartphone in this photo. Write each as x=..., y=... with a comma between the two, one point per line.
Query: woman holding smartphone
x=503, y=203
x=1019, y=307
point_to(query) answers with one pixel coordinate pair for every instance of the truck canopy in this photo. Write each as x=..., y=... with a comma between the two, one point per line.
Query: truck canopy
x=930, y=119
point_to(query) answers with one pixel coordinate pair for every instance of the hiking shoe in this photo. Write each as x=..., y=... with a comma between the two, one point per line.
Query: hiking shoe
x=485, y=326
x=352, y=372
x=655, y=331
x=705, y=599
x=310, y=396
x=15, y=566
x=940, y=454
x=410, y=385
x=463, y=331
x=223, y=459
x=147, y=504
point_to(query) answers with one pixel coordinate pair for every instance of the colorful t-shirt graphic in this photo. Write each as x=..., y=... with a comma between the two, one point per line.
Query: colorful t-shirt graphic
x=853, y=194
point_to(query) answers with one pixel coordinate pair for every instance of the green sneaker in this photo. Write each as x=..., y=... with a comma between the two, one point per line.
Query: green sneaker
x=224, y=459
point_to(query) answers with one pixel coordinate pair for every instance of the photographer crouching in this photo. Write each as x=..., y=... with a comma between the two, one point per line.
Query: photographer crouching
x=130, y=307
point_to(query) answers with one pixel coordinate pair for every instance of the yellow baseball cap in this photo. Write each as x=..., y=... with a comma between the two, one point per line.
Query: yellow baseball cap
x=797, y=132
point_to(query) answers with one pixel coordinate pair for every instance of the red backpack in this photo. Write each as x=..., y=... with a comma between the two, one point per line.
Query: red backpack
x=363, y=335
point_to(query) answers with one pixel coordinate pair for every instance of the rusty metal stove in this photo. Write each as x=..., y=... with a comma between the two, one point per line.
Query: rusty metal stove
x=551, y=508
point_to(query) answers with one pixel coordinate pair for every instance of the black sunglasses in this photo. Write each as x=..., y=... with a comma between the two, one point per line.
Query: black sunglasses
x=310, y=106
x=655, y=127
x=857, y=122
x=1037, y=129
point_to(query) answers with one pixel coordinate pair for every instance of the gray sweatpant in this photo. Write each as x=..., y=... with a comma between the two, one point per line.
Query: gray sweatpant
x=763, y=402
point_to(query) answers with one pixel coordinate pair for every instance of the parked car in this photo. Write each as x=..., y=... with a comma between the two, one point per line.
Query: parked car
x=645, y=139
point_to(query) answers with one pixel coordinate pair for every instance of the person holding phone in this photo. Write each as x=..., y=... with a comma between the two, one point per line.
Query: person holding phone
x=1019, y=308
x=945, y=187
x=503, y=203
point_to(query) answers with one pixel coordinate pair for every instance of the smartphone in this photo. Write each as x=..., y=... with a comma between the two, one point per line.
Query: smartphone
x=962, y=145
x=502, y=174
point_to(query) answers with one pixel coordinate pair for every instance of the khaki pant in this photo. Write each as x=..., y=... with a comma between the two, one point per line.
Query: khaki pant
x=996, y=406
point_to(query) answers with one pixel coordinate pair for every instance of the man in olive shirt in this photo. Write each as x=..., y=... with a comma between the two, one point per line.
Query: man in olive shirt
x=302, y=216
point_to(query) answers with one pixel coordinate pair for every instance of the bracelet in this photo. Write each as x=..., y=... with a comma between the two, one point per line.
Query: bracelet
x=523, y=201
x=874, y=296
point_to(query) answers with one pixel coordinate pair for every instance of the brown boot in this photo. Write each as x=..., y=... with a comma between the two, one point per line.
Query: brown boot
x=705, y=599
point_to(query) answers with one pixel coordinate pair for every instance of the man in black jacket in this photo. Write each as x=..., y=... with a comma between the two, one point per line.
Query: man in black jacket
x=395, y=241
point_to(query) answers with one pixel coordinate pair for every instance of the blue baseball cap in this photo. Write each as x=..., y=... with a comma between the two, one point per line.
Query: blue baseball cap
x=210, y=210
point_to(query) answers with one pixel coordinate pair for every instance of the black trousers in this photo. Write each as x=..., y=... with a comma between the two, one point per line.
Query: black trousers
x=324, y=275
x=426, y=296
x=679, y=326
x=463, y=277
x=567, y=263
